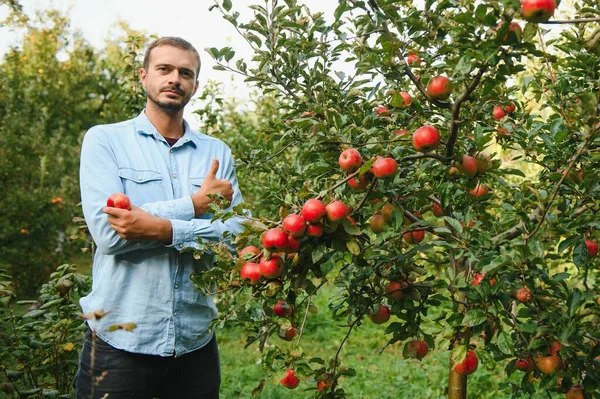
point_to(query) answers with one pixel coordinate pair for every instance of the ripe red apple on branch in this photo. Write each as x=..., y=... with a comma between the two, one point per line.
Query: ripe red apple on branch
x=406, y=100
x=498, y=112
x=417, y=348
x=251, y=249
x=468, y=166
x=439, y=88
x=592, y=248
x=282, y=309
x=383, y=111
x=523, y=295
x=358, y=182
x=271, y=268
x=537, y=10
x=426, y=138
x=294, y=224
x=287, y=333
x=384, y=167
x=468, y=365
x=525, y=364
x=119, y=200
x=290, y=380
x=313, y=210
x=550, y=364
x=381, y=314
x=275, y=239
x=250, y=273
x=413, y=59
x=514, y=34
x=350, y=160
x=394, y=289
x=336, y=211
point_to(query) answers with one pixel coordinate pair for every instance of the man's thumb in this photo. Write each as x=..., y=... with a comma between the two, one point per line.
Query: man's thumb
x=214, y=167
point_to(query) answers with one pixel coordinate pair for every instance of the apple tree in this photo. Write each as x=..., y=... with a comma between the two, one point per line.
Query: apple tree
x=437, y=162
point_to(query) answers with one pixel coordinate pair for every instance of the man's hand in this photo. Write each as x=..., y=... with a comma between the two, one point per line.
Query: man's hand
x=138, y=224
x=211, y=185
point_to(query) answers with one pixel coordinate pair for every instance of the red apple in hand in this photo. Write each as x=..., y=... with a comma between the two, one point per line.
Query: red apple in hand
x=294, y=224
x=537, y=10
x=417, y=348
x=119, y=200
x=275, y=239
x=313, y=210
x=282, y=309
x=336, y=211
x=250, y=273
x=290, y=380
x=426, y=138
x=380, y=315
x=468, y=365
x=439, y=88
x=350, y=160
x=592, y=248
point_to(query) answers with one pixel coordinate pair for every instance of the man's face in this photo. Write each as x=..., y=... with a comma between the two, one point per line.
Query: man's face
x=170, y=80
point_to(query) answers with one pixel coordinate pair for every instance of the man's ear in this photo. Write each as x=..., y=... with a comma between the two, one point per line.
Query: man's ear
x=143, y=75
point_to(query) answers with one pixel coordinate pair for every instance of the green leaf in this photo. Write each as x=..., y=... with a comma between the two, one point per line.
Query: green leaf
x=506, y=343
x=474, y=317
x=567, y=242
x=353, y=247
x=580, y=255
x=227, y=5
x=35, y=313
x=454, y=223
x=575, y=299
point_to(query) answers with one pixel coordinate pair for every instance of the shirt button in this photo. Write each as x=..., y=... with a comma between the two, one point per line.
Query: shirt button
x=140, y=178
x=174, y=175
x=175, y=314
x=176, y=286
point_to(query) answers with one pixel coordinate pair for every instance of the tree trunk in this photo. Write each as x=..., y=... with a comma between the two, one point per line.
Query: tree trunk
x=457, y=384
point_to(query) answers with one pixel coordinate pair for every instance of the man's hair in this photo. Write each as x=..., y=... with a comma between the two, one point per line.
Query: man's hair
x=174, y=42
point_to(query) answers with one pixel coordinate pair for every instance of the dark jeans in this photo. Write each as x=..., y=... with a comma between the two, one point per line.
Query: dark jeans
x=195, y=375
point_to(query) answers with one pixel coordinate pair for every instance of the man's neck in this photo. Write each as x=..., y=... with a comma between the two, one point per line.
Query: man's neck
x=168, y=124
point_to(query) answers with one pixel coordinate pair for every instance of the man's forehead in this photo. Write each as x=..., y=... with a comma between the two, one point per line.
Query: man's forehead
x=169, y=55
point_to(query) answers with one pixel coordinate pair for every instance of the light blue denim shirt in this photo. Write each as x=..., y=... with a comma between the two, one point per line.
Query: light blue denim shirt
x=146, y=282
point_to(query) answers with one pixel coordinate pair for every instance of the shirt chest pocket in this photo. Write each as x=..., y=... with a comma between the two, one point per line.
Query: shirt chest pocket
x=142, y=186
x=195, y=184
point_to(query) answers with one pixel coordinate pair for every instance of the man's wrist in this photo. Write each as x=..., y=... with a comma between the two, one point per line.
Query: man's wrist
x=200, y=202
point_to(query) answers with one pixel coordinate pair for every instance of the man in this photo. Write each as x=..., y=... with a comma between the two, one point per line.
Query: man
x=139, y=274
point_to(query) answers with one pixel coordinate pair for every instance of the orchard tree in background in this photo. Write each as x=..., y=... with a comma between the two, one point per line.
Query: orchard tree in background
x=54, y=86
x=466, y=216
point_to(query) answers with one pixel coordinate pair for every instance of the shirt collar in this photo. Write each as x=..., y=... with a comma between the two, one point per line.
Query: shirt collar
x=144, y=126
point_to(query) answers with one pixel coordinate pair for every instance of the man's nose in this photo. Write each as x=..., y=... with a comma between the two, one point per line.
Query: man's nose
x=174, y=78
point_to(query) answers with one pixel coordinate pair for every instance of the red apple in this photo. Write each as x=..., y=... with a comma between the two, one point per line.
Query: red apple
x=413, y=59
x=468, y=365
x=417, y=348
x=250, y=273
x=480, y=190
x=287, y=333
x=293, y=245
x=290, y=380
x=282, y=309
x=575, y=392
x=251, y=249
x=525, y=364
x=358, y=182
x=437, y=210
x=294, y=224
x=554, y=347
x=274, y=239
x=426, y=138
x=406, y=100
x=380, y=315
x=592, y=248
x=394, y=289
x=483, y=161
x=384, y=167
x=468, y=166
x=313, y=210
x=498, y=112
x=537, y=10
x=510, y=108
x=336, y=211
x=523, y=295
x=439, y=88
x=350, y=160
x=548, y=364
x=382, y=111
x=321, y=385
x=414, y=236
x=314, y=230
x=271, y=268
x=119, y=200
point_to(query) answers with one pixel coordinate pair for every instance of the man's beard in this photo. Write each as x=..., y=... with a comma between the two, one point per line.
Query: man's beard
x=169, y=107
